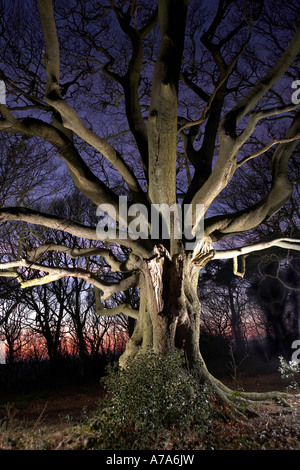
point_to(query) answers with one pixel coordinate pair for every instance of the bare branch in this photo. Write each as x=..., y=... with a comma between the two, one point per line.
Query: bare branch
x=59, y=223
x=277, y=275
x=267, y=147
x=83, y=177
x=126, y=309
x=195, y=88
x=58, y=273
x=11, y=120
x=265, y=84
x=224, y=69
x=115, y=264
x=276, y=110
x=69, y=116
x=257, y=116
x=52, y=59
x=280, y=192
x=286, y=243
x=208, y=183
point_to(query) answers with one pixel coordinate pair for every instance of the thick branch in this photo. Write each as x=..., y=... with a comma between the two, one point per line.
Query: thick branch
x=162, y=122
x=69, y=116
x=207, y=184
x=286, y=243
x=10, y=214
x=52, y=59
x=131, y=80
x=257, y=116
x=83, y=177
x=265, y=84
x=116, y=265
x=72, y=121
x=230, y=144
x=126, y=309
x=267, y=147
x=279, y=194
x=58, y=273
x=195, y=88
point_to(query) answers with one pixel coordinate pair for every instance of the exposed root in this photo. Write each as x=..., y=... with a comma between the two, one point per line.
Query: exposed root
x=242, y=403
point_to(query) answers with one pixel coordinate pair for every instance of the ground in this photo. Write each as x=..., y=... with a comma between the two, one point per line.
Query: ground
x=50, y=420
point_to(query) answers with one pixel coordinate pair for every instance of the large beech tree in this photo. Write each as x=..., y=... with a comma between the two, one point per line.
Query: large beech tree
x=190, y=88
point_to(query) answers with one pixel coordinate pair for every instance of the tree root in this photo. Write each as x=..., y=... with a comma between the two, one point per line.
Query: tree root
x=241, y=403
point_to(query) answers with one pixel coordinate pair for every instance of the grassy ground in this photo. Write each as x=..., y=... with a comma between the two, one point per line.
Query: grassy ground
x=57, y=419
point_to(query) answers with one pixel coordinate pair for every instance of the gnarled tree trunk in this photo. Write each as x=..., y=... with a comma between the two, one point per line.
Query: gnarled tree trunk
x=169, y=314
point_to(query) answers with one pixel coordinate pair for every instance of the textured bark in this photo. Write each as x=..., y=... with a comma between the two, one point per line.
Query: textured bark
x=169, y=318
x=169, y=315
x=162, y=123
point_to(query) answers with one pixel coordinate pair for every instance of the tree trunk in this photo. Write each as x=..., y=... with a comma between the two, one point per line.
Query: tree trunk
x=169, y=314
x=169, y=319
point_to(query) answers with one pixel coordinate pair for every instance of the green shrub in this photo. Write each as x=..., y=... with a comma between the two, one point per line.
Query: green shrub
x=153, y=394
x=290, y=372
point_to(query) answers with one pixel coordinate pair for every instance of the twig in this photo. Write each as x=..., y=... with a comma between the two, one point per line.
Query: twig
x=40, y=417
